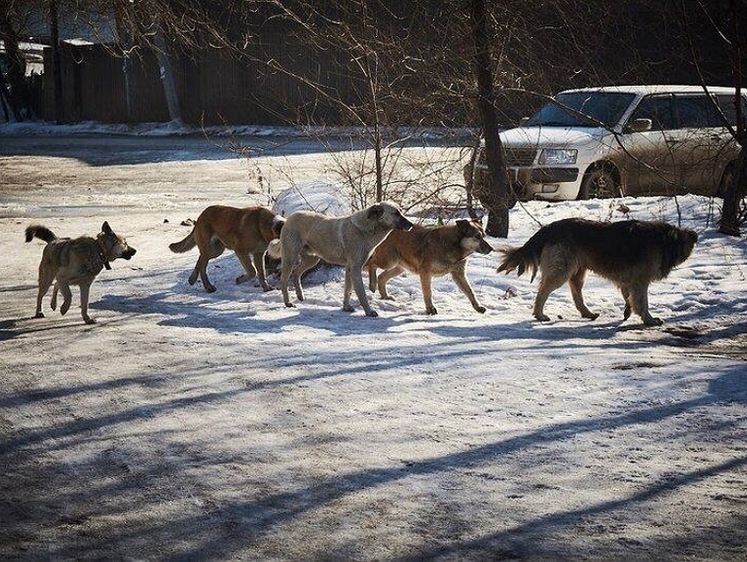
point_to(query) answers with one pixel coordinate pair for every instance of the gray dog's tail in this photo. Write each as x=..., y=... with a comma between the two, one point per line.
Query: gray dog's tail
x=40, y=232
x=184, y=245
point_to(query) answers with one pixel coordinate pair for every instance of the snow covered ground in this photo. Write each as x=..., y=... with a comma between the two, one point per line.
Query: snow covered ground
x=187, y=425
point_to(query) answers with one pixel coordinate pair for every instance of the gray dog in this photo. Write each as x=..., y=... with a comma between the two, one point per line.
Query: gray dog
x=350, y=240
x=75, y=261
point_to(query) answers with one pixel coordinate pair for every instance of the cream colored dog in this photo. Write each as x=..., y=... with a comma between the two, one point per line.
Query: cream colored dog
x=350, y=240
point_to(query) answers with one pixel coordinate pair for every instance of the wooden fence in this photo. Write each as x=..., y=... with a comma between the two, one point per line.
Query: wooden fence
x=213, y=87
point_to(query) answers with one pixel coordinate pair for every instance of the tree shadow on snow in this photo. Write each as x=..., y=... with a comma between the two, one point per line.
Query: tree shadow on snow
x=264, y=516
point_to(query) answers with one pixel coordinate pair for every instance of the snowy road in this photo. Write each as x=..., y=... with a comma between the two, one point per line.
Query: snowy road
x=194, y=426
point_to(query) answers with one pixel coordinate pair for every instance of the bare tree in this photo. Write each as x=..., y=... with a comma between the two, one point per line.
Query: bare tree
x=499, y=199
x=13, y=14
x=727, y=20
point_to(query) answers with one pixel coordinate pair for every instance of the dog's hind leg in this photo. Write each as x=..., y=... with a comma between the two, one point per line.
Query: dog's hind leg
x=549, y=282
x=67, y=296
x=85, y=291
x=626, y=296
x=201, y=270
x=208, y=251
x=286, y=271
x=250, y=270
x=305, y=263
x=259, y=261
x=639, y=304
x=385, y=277
x=576, y=283
x=46, y=278
x=259, y=271
x=372, y=278
x=459, y=277
x=294, y=270
x=53, y=302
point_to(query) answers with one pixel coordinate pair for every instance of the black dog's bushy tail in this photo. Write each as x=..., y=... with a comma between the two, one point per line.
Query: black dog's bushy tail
x=526, y=257
x=519, y=259
x=40, y=232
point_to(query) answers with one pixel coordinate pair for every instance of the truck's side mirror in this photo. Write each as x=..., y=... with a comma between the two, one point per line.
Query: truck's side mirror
x=640, y=125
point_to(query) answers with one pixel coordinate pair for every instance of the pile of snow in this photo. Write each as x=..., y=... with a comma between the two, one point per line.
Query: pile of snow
x=320, y=194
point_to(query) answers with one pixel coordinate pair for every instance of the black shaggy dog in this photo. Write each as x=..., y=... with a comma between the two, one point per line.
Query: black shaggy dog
x=629, y=253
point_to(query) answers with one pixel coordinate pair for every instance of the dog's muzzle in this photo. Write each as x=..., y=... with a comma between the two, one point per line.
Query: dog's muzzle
x=129, y=253
x=404, y=224
x=484, y=247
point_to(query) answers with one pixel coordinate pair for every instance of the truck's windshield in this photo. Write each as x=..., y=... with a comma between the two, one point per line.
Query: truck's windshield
x=582, y=109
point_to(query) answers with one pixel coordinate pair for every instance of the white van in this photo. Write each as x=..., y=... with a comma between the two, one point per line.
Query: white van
x=622, y=140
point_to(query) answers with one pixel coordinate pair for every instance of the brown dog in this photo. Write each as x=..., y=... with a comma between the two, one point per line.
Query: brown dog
x=630, y=253
x=75, y=262
x=246, y=231
x=429, y=252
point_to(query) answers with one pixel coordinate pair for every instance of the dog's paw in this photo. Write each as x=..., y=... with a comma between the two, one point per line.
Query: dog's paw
x=290, y=305
x=480, y=309
x=432, y=311
x=651, y=321
x=210, y=288
x=542, y=317
x=39, y=315
x=89, y=320
x=372, y=313
x=348, y=308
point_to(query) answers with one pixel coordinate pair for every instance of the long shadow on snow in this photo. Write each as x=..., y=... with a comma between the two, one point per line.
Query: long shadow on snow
x=261, y=517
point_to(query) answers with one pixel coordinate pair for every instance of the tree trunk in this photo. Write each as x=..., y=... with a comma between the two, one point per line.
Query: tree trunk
x=499, y=199
x=54, y=32
x=125, y=44
x=16, y=92
x=736, y=189
x=167, y=77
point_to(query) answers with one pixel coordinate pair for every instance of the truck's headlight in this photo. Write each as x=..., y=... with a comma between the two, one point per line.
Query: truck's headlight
x=557, y=156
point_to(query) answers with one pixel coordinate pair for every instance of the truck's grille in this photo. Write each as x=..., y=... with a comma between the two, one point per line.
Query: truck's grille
x=513, y=156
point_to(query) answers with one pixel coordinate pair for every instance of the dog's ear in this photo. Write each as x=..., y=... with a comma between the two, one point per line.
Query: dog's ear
x=105, y=228
x=463, y=226
x=375, y=212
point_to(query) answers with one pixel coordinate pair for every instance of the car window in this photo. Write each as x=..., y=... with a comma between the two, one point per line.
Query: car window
x=726, y=103
x=659, y=109
x=571, y=110
x=695, y=111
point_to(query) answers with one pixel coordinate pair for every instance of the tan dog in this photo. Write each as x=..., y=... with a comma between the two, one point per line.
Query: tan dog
x=630, y=253
x=246, y=231
x=429, y=252
x=75, y=262
x=308, y=236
